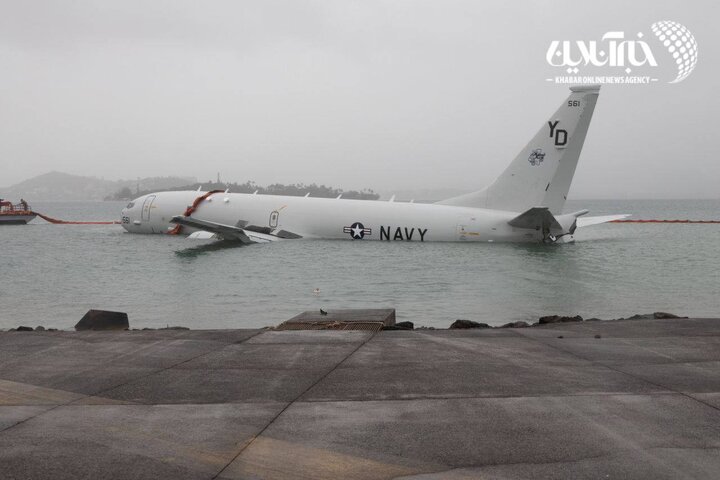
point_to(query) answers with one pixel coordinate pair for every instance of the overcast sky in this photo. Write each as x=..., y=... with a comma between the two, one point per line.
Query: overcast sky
x=388, y=95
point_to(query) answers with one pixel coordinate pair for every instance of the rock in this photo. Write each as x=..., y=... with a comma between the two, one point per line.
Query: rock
x=103, y=320
x=24, y=329
x=559, y=319
x=519, y=324
x=39, y=328
x=651, y=316
x=665, y=315
x=560, y=336
x=468, y=324
x=598, y=336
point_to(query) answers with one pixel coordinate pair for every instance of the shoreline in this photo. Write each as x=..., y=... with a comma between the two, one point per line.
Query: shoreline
x=459, y=324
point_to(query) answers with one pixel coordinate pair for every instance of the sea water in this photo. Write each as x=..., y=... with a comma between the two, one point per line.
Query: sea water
x=51, y=275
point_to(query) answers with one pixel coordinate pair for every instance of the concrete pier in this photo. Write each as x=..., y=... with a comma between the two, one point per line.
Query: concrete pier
x=555, y=401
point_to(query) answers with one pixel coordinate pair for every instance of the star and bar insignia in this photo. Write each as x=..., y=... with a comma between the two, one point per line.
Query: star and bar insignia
x=357, y=230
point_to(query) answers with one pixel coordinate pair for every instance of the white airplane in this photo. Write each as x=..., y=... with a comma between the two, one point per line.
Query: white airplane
x=524, y=204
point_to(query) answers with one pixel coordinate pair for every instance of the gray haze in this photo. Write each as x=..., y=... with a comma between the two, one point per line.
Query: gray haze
x=396, y=95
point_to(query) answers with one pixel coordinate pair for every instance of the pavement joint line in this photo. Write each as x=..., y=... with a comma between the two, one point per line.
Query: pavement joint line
x=291, y=402
x=498, y=397
x=684, y=394
x=570, y=461
x=160, y=370
x=98, y=393
x=413, y=399
x=636, y=377
x=555, y=462
x=669, y=390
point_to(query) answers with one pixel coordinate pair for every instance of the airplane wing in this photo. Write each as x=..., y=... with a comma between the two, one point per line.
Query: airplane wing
x=227, y=232
x=536, y=218
x=587, y=221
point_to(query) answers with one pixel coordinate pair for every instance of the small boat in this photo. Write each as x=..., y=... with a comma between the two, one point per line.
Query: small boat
x=15, y=214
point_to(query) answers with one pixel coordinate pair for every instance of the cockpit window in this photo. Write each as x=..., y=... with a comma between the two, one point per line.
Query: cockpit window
x=130, y=205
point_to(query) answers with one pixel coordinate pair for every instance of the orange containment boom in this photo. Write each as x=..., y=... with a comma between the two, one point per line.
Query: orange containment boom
x=191, y=209
x=665, y=221
x=66, y=222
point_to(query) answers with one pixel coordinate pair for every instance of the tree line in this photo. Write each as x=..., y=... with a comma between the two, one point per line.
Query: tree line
x=293, y=190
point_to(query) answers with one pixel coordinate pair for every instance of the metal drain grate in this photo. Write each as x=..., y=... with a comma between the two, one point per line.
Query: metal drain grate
x=366, y=319
x=331, y=325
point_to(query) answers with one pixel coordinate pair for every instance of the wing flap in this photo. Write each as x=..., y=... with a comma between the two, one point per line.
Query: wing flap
x=202, y=235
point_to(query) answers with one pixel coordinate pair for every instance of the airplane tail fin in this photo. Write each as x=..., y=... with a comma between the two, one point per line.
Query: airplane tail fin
x=542, y=172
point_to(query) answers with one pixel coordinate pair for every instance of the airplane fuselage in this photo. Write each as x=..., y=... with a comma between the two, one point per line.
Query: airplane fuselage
x=329, y=218
x=522, y=205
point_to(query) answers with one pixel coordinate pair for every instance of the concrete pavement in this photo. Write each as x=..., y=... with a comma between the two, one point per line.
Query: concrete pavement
x=641, y=401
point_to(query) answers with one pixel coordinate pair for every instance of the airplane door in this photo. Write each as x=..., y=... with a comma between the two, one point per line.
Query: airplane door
x=467, y=229
x=274, y=217
x=462, y=231
x=147, y=204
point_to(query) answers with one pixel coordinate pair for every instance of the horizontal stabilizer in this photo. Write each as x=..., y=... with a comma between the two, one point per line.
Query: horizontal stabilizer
x=587, y=221
x=536, y=218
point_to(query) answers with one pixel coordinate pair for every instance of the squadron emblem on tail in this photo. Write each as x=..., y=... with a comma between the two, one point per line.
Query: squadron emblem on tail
x=536, y=157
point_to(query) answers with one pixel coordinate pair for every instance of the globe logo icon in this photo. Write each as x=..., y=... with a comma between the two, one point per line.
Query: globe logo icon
x=680, y=43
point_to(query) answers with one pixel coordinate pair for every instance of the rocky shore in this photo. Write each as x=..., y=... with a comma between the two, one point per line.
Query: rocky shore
x=103, y=320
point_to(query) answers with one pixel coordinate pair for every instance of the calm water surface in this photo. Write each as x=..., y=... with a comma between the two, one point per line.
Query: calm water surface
x=52, y=274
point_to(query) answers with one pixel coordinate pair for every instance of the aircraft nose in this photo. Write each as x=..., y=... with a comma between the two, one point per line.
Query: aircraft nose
x=127, y=216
